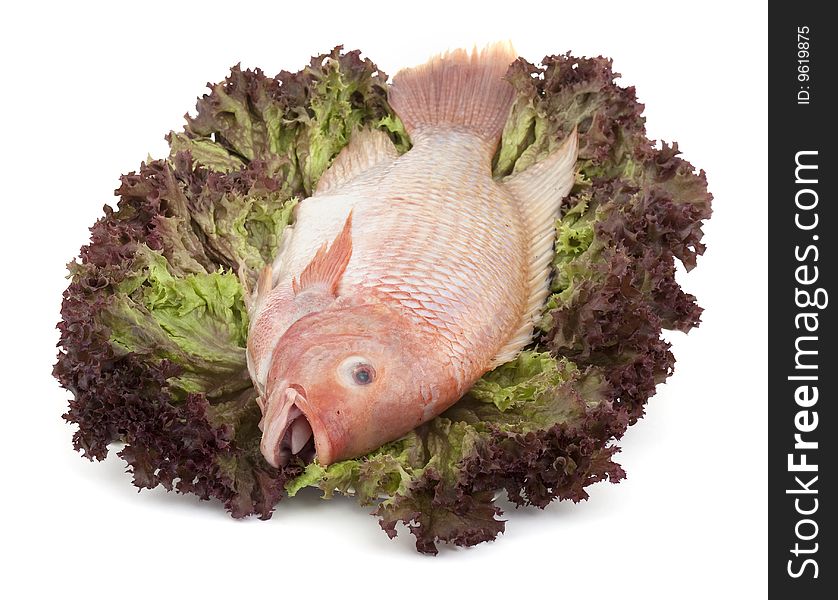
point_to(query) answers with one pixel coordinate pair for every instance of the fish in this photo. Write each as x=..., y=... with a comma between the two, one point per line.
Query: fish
x=404, y=278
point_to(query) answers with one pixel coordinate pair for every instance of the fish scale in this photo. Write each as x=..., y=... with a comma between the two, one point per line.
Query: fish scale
x=470, y=258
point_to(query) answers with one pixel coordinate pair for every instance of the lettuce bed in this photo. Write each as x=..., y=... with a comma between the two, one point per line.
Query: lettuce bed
x=154, y=325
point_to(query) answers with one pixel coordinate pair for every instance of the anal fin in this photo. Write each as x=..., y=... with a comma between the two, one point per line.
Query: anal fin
x=367, y=148
x=539, y=191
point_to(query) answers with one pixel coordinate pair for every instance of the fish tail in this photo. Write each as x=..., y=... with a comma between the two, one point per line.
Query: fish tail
x=457, y=89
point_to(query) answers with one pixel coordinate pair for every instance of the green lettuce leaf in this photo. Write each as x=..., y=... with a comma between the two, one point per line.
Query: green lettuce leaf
x=197, y=322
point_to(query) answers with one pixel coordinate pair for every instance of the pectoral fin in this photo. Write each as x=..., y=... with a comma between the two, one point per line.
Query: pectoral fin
x=328, y=264
x=539, y=191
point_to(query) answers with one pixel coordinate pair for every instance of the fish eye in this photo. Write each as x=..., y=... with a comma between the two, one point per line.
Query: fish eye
x=363, y=374
x=356, y=371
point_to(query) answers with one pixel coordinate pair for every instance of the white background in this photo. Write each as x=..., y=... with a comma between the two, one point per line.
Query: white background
x=88, y=92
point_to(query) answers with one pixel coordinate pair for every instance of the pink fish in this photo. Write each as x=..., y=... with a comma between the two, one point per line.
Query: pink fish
x=405, y=278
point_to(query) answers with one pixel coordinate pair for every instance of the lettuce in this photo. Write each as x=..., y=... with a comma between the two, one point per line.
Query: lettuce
x=154, y=327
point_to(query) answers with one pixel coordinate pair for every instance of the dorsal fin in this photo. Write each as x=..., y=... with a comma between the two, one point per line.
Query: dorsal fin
x=329, y=262
x=366, y=149
x=539, y=191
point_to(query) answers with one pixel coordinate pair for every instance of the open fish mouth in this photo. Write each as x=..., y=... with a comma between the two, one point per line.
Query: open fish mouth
x=286, y=431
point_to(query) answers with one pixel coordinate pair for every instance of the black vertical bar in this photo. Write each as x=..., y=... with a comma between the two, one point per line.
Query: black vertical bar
x=803, y=229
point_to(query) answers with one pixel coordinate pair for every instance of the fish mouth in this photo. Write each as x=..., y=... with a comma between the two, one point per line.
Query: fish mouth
x=286, y=430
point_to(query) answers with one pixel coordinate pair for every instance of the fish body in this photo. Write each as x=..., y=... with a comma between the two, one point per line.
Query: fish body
x=404, y=278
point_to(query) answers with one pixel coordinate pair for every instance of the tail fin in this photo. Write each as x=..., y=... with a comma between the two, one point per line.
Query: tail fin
x=458, y=90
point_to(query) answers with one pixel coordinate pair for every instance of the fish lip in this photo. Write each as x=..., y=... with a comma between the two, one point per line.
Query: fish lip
x=322, y=442
x=285, y=405
x=274, y=425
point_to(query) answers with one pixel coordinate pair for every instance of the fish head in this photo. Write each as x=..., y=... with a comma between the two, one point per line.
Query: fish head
x=343, y=381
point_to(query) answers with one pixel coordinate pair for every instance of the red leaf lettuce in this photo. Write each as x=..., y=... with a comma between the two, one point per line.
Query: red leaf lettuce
x=154, y=327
